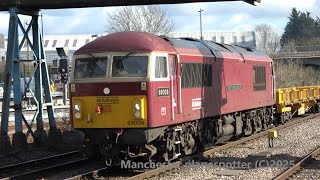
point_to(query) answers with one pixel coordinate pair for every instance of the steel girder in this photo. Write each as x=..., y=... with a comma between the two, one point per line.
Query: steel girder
x=13, y=76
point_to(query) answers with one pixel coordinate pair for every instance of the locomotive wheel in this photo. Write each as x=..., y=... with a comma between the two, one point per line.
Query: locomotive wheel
x=287, y=116
x=257, y=124
x=264, y=123
x=278, y=119
x=281, y=119
x=247, y=128
x=316, y=108
x=275, y=121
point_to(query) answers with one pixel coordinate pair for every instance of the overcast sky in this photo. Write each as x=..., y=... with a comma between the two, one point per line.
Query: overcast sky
x=217, y=16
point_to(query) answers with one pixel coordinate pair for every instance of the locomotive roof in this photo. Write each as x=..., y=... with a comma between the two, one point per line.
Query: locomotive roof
x=132, y=41
x=128, y=41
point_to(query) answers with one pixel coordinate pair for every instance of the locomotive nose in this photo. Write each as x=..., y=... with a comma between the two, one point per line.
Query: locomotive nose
x=110, y=111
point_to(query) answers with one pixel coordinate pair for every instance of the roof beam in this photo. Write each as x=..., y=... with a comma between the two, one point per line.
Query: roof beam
x=60, y=4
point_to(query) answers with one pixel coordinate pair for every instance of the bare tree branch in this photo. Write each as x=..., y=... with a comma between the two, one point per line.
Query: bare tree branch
x=150, y=19
x=268, y=40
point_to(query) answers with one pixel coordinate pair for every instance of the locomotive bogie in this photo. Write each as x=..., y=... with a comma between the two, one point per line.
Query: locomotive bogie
x=169, y=142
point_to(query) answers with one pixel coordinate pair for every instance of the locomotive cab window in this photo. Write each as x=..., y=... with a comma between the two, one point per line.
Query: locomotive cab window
x=161, y=70
x=173, y=66
x=130, y=66
x=91, y=67
x=259, y=78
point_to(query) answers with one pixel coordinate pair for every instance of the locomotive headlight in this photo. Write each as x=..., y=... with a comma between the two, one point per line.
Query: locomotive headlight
x=137, y=107
x=77, y=107
x=137, y=114
x=138, y=111
x=77, y=115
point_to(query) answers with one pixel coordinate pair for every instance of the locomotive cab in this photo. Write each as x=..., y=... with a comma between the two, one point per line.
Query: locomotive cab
x=111, y=93
x=110, y=90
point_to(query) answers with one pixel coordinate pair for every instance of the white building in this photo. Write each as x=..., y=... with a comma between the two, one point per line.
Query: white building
x=2, y=47
x=246, y=38
x=74, y=42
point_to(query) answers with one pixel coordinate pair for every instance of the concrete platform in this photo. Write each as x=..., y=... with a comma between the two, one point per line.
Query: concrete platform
x=228, y=172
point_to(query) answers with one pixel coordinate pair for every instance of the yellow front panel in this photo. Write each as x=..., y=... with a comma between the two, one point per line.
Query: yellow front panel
x=116, y=112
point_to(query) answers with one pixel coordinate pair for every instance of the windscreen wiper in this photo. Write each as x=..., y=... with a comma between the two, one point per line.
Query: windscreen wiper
x=125, y=56
x=98, y=59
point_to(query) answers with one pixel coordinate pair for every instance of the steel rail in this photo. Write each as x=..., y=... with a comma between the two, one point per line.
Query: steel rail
x=291, y=170
x=157, y=171
x=209, y=151
x=47, y=168
x=38, y=165
x=37, y=160
x=89, y=174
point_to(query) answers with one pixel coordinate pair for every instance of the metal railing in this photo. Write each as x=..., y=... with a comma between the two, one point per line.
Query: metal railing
x=295, y=55
x=296, y=52
x=301, y=48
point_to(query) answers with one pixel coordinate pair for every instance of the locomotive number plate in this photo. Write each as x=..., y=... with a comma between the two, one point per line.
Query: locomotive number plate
x=163, y=92
x=234, y=87
x=108, y=100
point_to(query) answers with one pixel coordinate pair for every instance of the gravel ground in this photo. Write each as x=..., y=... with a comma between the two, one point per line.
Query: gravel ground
x=310, y=171
x=293, y=143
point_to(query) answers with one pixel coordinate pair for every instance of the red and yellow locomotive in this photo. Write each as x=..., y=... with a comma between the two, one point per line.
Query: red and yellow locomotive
x=138, y=95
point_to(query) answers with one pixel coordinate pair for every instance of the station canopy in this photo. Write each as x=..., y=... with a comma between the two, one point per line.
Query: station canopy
x=60, y=4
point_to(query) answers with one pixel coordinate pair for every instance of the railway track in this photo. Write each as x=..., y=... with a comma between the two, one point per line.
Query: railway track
x=105, y=172
x=306, y=168
x=91, y=174
x=177, y=164
x=35, y=167
x=32, y=169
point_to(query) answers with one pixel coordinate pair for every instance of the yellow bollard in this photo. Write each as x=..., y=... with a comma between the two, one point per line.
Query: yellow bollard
x=271, y=135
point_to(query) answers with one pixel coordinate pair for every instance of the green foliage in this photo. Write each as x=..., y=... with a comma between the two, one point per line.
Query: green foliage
x=301, y=28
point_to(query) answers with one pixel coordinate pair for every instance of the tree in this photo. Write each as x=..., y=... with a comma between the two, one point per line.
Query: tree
x=2, y=42
x=268, y=40
x=301, y=28
x=150, y=19
x=293, y=73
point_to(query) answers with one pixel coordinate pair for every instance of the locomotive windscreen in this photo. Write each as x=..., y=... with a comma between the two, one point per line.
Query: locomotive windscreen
x=130, y=66
x=91, y=67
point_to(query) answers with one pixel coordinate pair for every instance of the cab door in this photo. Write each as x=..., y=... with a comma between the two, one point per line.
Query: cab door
x=174, y=86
